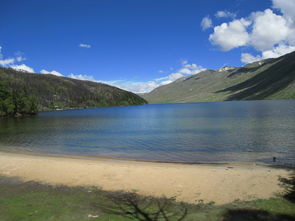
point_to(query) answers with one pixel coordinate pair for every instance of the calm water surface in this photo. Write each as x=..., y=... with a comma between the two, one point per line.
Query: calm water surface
x=195, y=132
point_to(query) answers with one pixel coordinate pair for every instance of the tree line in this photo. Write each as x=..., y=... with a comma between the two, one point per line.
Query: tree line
x=14, y=103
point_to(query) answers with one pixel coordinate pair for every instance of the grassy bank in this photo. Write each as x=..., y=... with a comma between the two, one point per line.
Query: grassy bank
x=33, y=201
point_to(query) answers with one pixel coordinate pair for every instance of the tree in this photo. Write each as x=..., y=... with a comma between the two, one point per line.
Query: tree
x=16, y=102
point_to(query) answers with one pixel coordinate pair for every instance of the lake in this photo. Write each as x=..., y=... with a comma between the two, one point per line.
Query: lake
x=192, y=132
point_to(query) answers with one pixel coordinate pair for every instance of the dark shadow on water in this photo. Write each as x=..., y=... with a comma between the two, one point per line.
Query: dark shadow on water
x=254, y=215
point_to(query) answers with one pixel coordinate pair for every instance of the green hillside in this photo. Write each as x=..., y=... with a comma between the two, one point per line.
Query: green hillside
x=267, y=79
x=52, y=92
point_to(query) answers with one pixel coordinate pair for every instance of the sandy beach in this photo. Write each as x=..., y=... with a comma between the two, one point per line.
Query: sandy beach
x=222, y=183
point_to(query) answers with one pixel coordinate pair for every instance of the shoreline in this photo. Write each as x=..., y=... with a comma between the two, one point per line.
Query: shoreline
x=219, y=182
x=106, y=158
x=103, y=158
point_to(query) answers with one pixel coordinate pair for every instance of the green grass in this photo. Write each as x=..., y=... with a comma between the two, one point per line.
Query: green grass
x=32, y=201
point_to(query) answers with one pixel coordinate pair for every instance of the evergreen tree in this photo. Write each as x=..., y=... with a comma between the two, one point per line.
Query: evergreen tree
x=16, y=102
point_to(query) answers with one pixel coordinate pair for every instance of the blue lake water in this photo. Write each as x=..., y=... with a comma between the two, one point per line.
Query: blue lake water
x=194, y=132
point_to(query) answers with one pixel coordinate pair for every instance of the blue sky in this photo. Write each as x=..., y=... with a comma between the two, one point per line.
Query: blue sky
x=141, y=44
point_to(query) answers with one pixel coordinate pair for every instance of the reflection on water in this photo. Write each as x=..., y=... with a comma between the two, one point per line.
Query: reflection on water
x=196, y=132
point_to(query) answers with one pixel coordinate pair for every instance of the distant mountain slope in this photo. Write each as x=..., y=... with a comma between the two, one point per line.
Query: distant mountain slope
x=267, y=79
x=54, y=92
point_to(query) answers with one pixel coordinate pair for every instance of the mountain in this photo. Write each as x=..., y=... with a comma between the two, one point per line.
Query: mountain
x=52, y=92
x=266, y=79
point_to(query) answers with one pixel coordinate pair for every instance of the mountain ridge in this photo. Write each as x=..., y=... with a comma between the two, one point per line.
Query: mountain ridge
x=267, y=79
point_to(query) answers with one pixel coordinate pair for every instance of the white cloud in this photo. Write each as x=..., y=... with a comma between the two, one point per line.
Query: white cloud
x=170, y=78
x=275, y=52
x=84, y=45
x=193, y=68
x=271, y=33
x=23, y=67
x=53, y=72
x=186, y=70
x=7, y=61
x=20, y=59
x=287, y=7
x=10, y=61
x=231, y=35
x=206, y=23
x=249, y=58
x=268, y=29
x=136, y=87
x=147, y=86
x=144, y=87
x=82, y=77
x=225, y=14
x=278, y=51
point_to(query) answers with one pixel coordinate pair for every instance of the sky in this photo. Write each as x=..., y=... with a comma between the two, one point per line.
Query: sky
x=139, y=45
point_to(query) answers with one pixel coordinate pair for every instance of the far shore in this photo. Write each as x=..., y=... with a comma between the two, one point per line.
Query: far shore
x=222, y=183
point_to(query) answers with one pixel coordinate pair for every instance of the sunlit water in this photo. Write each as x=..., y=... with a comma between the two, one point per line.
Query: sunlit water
x=195, y=132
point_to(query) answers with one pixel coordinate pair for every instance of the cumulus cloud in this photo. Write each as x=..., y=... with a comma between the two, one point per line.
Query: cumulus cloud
x=287, y=7
x=225, y=14
x=231, y=35
x=84, y=45
x=53, y=72
x=82, y=77
x=23, y=67
x=271, y=33
x=268, y=29
x=206, y=23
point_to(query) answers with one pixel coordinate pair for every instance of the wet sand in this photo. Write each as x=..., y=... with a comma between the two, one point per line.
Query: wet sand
x=223, y=183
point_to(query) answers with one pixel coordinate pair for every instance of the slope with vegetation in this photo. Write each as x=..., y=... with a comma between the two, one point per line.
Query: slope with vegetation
x=51, y=92
x=267, y=79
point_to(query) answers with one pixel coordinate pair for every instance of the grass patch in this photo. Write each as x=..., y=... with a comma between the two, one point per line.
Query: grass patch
x=32, y=201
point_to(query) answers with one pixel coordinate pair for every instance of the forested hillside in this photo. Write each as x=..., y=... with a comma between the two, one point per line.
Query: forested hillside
x=50, y=92
x=16, y=102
